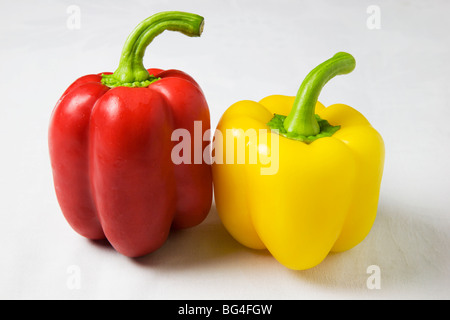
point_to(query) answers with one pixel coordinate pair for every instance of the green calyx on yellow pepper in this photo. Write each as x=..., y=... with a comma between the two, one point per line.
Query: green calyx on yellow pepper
x=324, y=194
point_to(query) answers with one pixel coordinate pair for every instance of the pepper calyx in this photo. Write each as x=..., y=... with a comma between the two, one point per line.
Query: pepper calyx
x=112, y=82
x=326, y=129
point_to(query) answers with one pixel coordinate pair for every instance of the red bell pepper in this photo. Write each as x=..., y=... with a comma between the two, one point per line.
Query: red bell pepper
x=110, y=147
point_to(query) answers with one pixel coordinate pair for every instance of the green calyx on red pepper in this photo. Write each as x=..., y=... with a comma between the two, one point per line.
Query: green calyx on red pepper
x=131, y=71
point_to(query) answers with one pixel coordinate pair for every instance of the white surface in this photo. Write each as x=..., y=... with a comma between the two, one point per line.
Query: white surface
x=249, y=49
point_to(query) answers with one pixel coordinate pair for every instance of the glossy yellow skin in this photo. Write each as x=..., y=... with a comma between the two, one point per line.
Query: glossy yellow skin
x=322, y=198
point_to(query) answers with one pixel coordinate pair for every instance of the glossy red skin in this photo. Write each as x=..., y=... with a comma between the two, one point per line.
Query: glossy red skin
x=110, y=151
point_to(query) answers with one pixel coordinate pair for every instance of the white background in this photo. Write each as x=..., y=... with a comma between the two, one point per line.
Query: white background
x=249, y=49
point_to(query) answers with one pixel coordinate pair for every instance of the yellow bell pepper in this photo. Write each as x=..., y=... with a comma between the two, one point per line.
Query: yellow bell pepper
x=320, y=190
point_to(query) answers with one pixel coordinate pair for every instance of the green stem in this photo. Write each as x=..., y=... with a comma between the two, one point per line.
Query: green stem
x=302, y=119
x=131, y=71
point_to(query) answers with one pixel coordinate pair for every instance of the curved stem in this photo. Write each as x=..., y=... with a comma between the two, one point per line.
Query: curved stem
x=131, y=71
x=302, y=120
